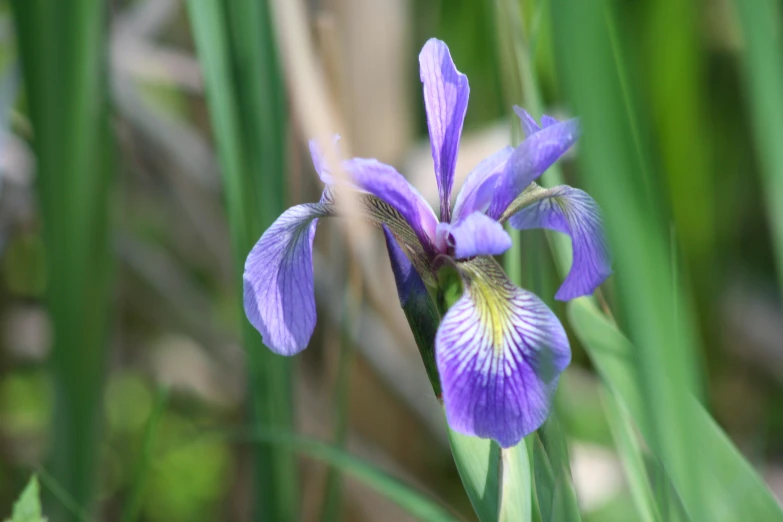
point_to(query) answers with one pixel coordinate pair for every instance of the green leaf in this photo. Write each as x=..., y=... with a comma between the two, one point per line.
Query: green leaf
x=553, y=483
x=515, y=501
x=28, y=507
x=245, y=95
x=62, y=48
x=762, y=32
x=403, y=495
x=478, y=464
x=734, y=489
x=630, y=451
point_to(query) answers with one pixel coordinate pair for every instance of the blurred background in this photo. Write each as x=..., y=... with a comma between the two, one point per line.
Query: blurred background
x=145, y=145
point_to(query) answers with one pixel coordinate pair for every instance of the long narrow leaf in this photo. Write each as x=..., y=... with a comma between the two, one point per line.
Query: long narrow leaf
x=736, y=490
x=762, y=30
x=657, y=318
x=243, y=93
x=478, y=463
x=630, y=453
x=62, y=48
x=515, y=501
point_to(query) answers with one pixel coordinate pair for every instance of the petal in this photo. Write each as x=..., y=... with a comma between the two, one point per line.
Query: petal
x=529, y=125
x=419, y=309
x=477, y=190
x=477, y=235
x=446, y=94
x=278, y=281
x=384, y=182
x=546, y=121
x=405, y=276
x=499, y=351
x=571, y=211
x=528, y=161
x=319, y=162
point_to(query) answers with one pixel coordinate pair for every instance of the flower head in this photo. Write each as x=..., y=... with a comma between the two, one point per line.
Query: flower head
x=499, y=349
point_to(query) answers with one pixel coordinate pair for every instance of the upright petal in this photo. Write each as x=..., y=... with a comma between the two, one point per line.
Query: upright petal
x=388, y=185
x=476, y=235
x=477, y=191
x=319, y=161
x=546, y=121
x=278, y=280
x=528, y=161
x=499, y=351
x=571, y=211
x=446, y=94
x=529, y=125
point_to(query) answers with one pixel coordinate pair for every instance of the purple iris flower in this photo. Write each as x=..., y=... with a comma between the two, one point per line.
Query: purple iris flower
x=499, y=349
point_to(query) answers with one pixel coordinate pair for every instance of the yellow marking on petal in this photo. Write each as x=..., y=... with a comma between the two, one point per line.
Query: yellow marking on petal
x=488, y=286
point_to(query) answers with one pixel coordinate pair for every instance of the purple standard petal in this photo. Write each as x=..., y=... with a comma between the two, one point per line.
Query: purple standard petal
x=319, y=162
x=546, y=121
x=446, y=94
x=528, y=161
x=384, y=182
x=529, y=125
x=477, y=191
x=476, y=235
x=571, y=211
x=278, y=280
x=499, y=351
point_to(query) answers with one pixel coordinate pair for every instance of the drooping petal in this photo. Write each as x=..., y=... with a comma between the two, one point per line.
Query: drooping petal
x=477, y=235
x=279, y=299
x=571, y=211
x=500, y=351
x=388, y=185
x=446, y=94
x=477, y=190
x=529, y=160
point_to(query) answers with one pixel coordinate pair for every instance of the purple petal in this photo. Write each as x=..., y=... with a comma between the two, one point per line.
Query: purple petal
x=384, y=182
x=319, y=162
x=546, y=121
x=446, y=93
x=529, y=125
x=405, y=275
x=571, y=211
x=499, y=351
x=477, y=191
x=477, y=235
x=528, y=161
x=278, y=280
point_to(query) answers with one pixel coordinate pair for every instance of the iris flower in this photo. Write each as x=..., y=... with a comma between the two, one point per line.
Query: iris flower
x=499, y=349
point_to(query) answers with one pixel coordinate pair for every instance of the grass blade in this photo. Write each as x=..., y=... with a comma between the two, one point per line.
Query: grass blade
x=395, y=490
x=515, y=502
x=614, y=175
x=736, y=490
x=235, y=48
x=630, y=453
x=62, y=48
x=760, y=22
x=478, y=464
